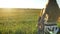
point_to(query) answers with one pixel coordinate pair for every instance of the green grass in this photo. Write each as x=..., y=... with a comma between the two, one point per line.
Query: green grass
x=21, y=23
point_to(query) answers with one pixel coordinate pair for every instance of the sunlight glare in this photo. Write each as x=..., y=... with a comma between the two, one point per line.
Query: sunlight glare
x=7, y=10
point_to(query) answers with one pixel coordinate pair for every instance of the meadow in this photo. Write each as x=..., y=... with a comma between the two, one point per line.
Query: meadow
x=22, y=21
x=19, y=21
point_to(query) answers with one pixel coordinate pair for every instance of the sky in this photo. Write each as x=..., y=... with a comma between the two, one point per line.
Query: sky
x=39, y=4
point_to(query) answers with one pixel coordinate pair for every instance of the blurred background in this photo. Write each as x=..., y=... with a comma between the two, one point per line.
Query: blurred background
x=21, y=16
x=18, y=21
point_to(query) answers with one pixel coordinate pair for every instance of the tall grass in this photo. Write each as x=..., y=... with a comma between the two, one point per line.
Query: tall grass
x=21, y=23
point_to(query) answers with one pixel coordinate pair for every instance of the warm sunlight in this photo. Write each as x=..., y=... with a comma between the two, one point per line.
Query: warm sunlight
x=7, y=10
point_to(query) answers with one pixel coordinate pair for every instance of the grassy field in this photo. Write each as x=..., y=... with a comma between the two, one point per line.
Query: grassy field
x=21, y=21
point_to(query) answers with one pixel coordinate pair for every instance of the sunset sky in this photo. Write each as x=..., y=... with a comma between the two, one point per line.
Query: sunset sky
x=24, y=3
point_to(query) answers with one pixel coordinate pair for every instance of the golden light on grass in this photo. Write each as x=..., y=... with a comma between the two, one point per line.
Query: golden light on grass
x=7, y=10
